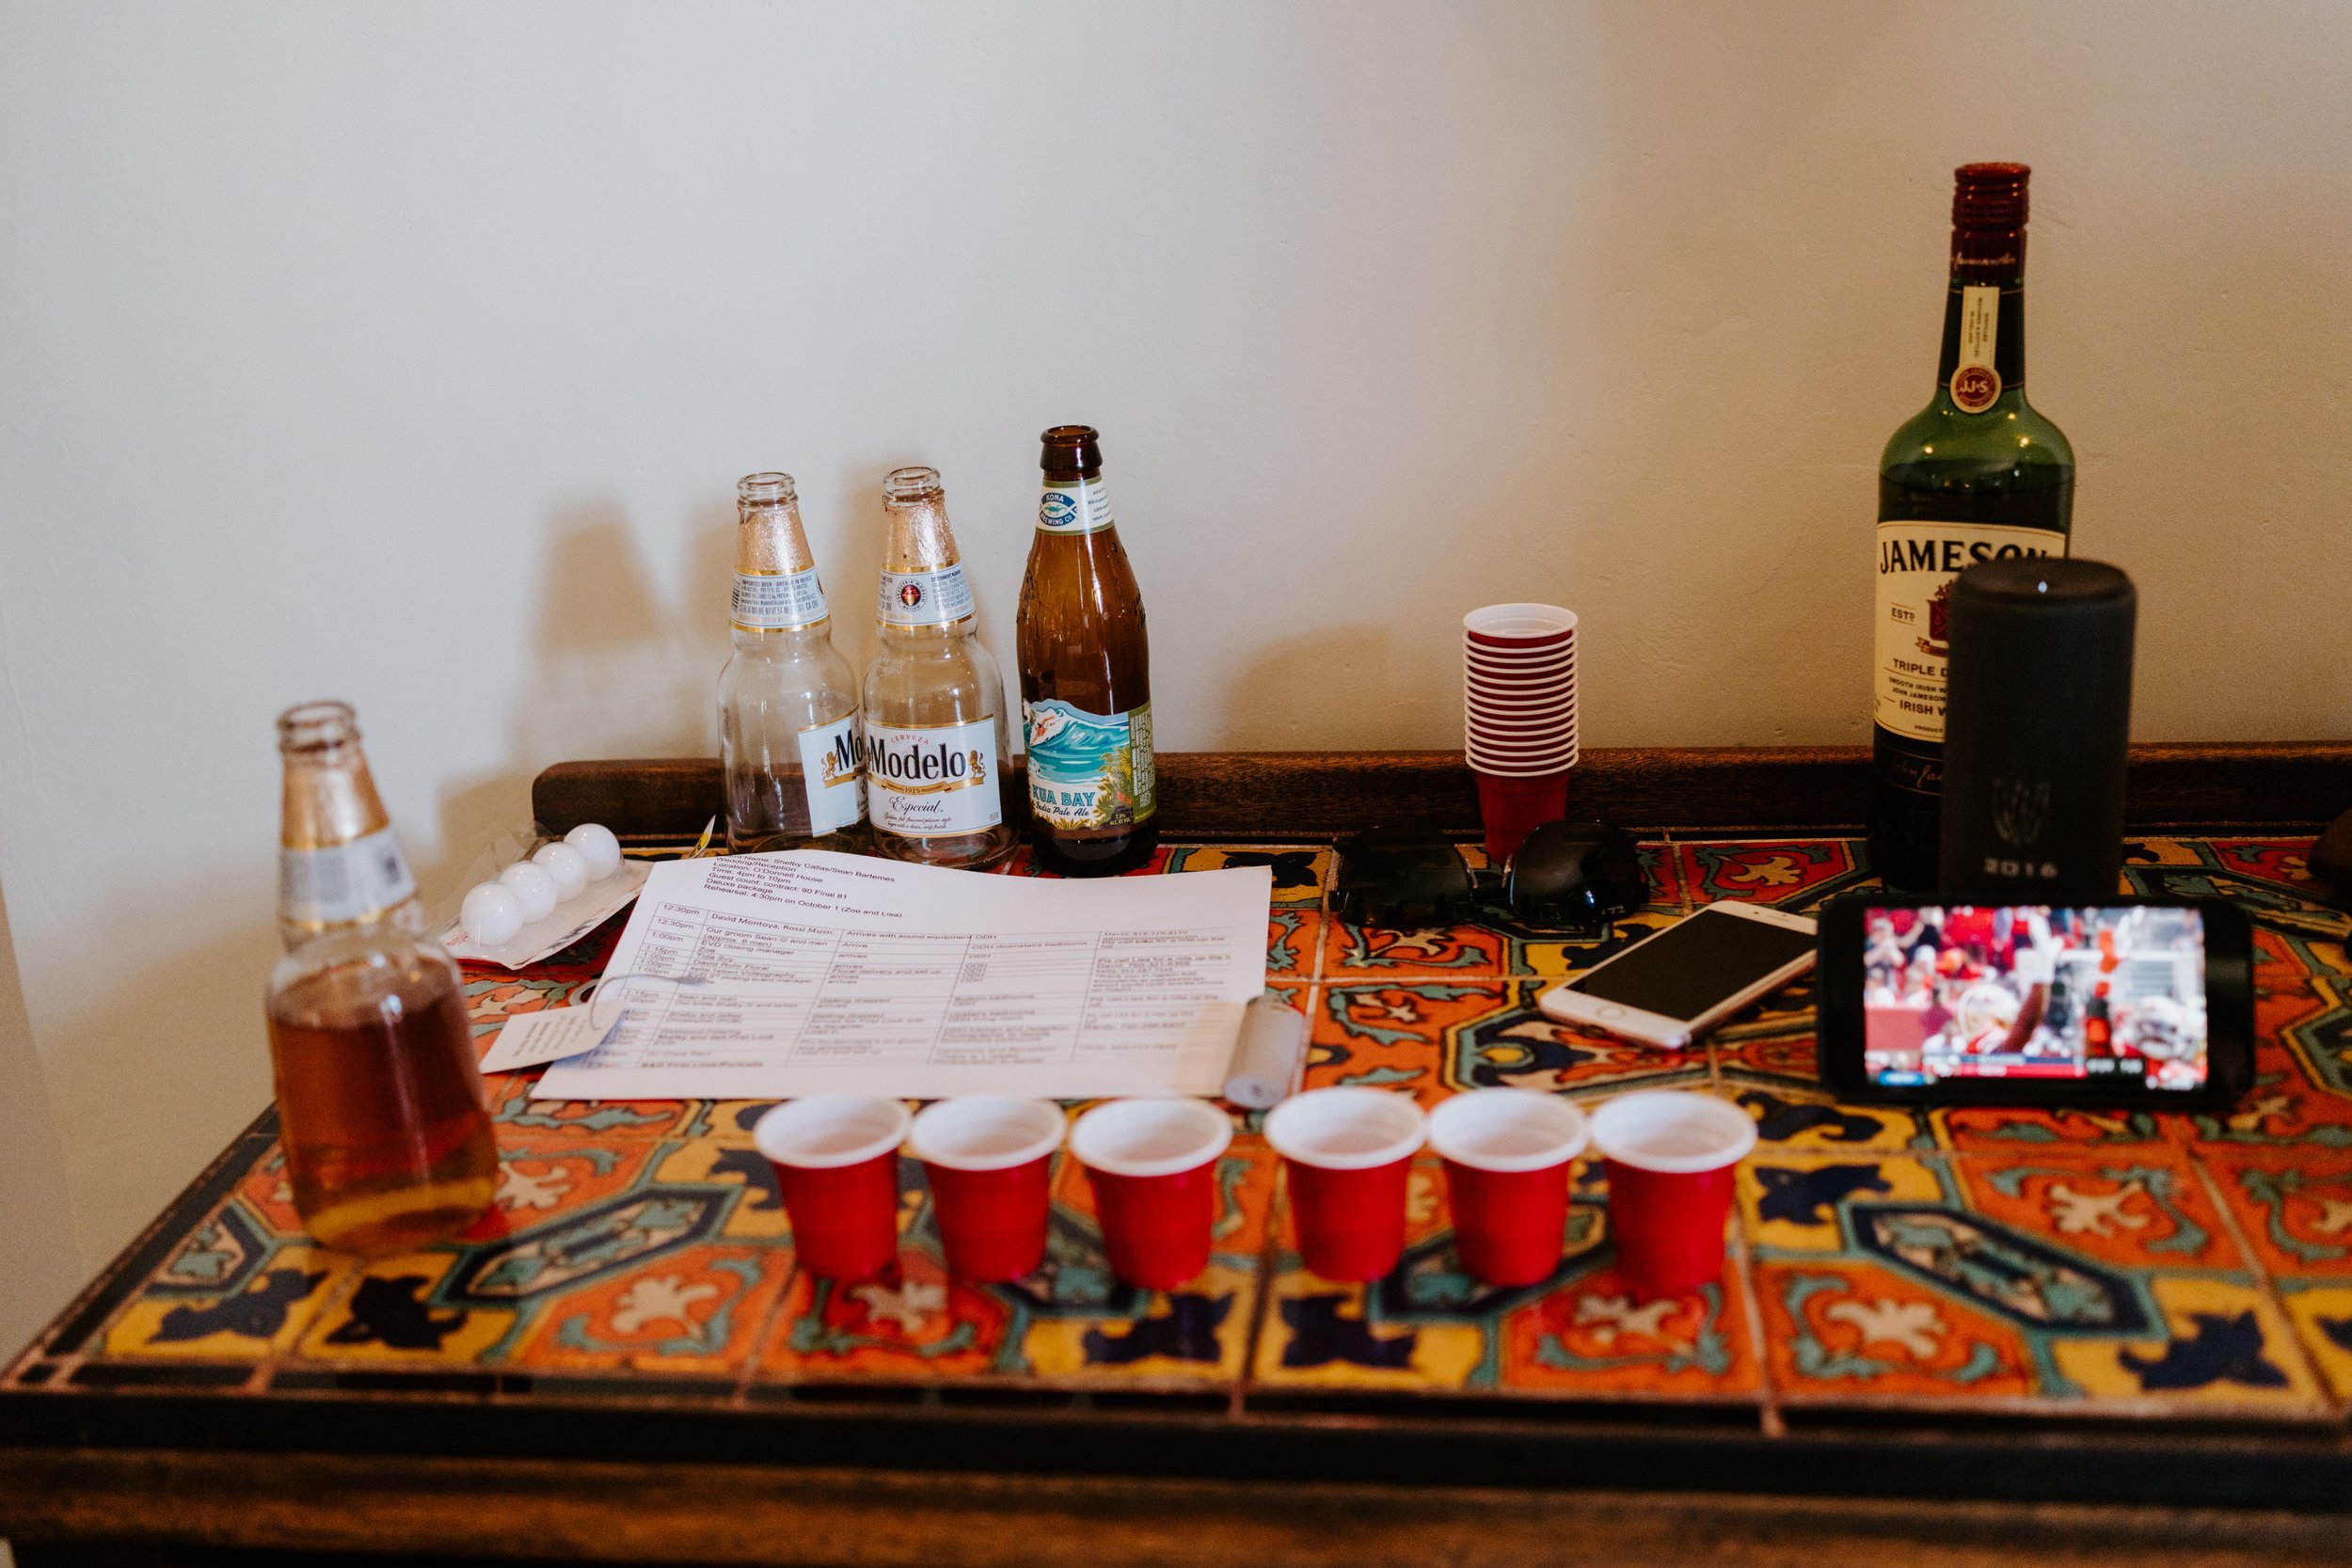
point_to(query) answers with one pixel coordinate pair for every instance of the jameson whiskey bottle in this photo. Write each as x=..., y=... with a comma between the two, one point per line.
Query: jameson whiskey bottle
x=1975, y=475
x=1085, y=676
x=937, y=787
x=379, y=1103
x=789, y=742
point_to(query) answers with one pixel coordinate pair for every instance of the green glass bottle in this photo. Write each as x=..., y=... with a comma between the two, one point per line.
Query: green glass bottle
x=1975, y=475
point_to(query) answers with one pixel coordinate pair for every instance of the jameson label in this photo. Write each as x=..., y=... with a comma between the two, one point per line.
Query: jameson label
x=924, y=598
x=932, y=780
x=1089, y=769
x=1976, y=386
x=773, y=601
x=344, y=881
x=1918, y=563
x=832, y=771
x=1073, y=506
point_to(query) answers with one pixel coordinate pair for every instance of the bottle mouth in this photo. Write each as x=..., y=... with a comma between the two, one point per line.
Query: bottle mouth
x=764, y=489
x=316, y=726
x=1071, y=449
x=911, y=485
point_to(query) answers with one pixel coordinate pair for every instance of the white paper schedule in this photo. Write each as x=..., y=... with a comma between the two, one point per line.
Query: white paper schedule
x=767, y=976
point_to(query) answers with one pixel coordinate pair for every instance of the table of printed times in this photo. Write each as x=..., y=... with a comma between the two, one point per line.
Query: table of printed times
x=874, y=996
x=2132, y=1291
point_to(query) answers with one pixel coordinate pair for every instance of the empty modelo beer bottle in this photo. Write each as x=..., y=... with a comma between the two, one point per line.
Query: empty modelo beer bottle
x=789, y=742
x=379, y=1102
x=1086, y=674
x=936, y=781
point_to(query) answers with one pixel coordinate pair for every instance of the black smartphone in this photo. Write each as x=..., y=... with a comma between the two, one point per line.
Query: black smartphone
x=2137, y=1001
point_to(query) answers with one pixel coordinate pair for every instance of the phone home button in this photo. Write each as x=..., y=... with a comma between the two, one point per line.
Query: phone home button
x=1611, y=1012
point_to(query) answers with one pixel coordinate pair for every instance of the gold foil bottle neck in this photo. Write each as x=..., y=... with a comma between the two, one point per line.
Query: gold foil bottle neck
x=920, y=539
x=769, y=541
x=329, y=795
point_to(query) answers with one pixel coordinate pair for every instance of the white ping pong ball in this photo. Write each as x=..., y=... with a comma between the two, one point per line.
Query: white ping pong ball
x=568, y=865
x=531, y=887
x=491, y=914
x=597, y=846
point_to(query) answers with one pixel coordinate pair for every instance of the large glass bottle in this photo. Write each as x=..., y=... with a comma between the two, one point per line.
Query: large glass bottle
x=1976, y=474
x=937, y=787
x=1086, y=674
x=379, y=1100
x=789, y=741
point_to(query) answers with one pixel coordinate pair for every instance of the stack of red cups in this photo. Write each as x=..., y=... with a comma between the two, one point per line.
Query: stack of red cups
x=1518, y=689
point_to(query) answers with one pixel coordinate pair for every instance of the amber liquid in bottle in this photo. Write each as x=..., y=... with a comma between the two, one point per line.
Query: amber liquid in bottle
x=379, y=1098
x=1085, y=675
x=379, y=1101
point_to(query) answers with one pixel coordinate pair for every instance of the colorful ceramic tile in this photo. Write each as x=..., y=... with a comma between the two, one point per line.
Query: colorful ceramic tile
x=1073, y=1323
x=2018, y=1129
x=1797, y=873
x=1429, y=1327
x=698, y=1310
x=396, y=1311
x=1353, y=952
x=1432, y=1037
x=513, y=1111
x=2293, y=1207
x=1769, y=1045
x=2070, y=1280
x=2322, y=1316
x=1790, y=1116
x=234, y=1290
x=1298, y=871
x=1559, y=953
x=1292, y=936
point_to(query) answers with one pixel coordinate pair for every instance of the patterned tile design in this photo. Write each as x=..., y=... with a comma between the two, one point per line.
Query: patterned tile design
x=2112, y=1263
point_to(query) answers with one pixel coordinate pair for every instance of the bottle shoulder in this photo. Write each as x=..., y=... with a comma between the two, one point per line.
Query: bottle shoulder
x=2012, y=434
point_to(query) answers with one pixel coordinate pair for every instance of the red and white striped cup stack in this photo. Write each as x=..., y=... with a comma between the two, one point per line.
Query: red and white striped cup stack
x=1519, y=696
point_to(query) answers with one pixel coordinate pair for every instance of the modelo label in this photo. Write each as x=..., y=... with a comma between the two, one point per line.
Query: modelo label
x=1918, y=563
x=1073, y=506
x=344, y=881
x=924, y=598
x=929, y=781
x=833, y=772
x=1089, y=769
x=777, y=601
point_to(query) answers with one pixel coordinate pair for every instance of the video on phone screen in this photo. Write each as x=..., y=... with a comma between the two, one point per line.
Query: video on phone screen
x=2034, y=992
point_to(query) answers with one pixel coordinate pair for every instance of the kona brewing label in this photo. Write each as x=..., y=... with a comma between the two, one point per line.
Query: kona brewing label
x=932, y=780
x=1976, y=386
x=1073, y=506
x=924, y=598
x=343, y=881
x=775, y=601
x=833, y=772
x=1918, y=563
x=1089, y=769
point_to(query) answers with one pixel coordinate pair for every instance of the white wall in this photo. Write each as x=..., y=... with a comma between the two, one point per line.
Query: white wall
x=408, y=353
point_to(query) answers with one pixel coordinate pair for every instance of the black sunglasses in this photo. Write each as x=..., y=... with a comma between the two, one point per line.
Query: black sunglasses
x=1564, y=874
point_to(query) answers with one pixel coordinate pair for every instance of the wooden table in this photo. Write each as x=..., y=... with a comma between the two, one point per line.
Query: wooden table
x=1955, y=1336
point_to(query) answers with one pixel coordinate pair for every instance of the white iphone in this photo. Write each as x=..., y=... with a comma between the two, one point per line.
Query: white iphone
x=1670, y=989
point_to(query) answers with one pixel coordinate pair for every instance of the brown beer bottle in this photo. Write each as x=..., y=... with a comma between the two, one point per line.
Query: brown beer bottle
x=379, y=1101
x=1086, y=674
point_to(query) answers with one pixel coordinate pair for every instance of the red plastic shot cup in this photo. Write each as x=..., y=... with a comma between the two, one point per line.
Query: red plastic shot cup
x=1670, y=1157
x=836, y=1158
x=1349, y=1155
x=1507, y=1154
x=988, y=1157
x=1154, y=1166
x=1517, y=626
x=1511, y=808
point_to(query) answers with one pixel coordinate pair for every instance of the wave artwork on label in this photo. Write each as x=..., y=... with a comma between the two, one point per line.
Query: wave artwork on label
x=1083, y=770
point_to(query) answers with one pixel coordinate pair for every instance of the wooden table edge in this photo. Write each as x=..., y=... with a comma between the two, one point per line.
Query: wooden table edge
x=595, y=1511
